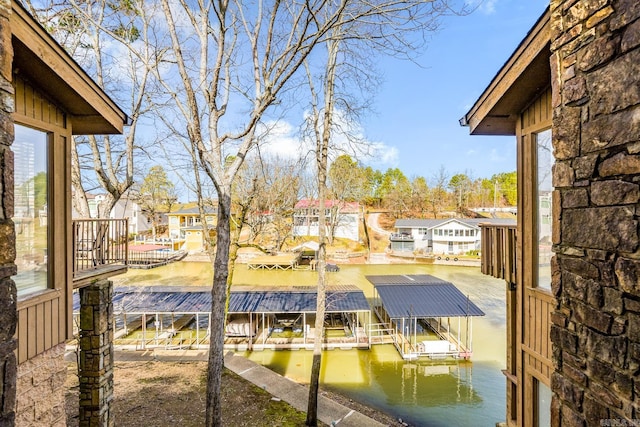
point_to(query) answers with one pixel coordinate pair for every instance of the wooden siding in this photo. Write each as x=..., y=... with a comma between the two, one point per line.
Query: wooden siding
x=534, y=306
x=538, y=115
x=43, y=320
x=32, y=109
x=499, y=251
x=537, y=344
x=55, y=72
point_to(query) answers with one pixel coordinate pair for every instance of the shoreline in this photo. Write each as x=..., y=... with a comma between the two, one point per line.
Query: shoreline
x=374, y=258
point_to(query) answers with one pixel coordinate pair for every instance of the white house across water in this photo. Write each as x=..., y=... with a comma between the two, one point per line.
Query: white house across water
x=452, y=236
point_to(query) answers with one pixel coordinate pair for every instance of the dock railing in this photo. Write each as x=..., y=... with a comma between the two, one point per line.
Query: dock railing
x=99, y=248
x=380, y=333
x=499, y=251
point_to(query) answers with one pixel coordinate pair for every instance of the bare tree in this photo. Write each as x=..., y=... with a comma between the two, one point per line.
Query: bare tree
x=348, y=53
x=230, y=58
x=113, y=42
x=438, y=196
x=419, y=195
x=155, y=195
x=277, y=184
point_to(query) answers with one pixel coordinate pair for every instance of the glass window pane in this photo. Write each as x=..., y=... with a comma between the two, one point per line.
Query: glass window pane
x=543, y=404
x=30, y=211
x=545, y=165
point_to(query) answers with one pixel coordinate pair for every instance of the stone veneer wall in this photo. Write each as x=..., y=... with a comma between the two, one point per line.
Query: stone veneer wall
x=8, y=309
x=41, y=394
x=96, y=354
x=596, y=272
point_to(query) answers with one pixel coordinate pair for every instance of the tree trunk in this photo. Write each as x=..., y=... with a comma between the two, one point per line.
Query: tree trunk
x=218, y=302
x=314, y=383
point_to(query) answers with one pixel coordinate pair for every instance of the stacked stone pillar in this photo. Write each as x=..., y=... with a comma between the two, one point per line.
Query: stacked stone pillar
x=95, y=364
x=8, y=298
x=595, y=65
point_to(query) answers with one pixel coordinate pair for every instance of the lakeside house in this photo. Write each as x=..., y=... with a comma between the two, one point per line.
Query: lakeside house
x=342, y=218
x=453, y=236
x=125, y=207
x=185, y=225
x=45, y=254
x=139, y=220
x=569, y=94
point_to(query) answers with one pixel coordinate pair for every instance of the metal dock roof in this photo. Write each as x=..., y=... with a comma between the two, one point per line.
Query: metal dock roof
x=422, y=296
x=243, y=300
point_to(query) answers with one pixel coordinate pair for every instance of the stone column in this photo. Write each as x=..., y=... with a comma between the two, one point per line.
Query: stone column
x=595, y=66
x=96, y=354
x=8, y=308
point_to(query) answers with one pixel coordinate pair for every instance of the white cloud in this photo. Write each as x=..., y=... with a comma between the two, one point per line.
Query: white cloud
x=488, y=7
x=280, y=138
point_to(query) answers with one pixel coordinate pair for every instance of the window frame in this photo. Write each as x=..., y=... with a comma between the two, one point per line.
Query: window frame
x=537, y=216
x=49, y=138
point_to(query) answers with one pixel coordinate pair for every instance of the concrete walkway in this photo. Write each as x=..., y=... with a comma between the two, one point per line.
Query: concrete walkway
x=329, y=411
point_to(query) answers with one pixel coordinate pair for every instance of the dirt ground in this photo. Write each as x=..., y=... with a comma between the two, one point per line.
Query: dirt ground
x=158, y=394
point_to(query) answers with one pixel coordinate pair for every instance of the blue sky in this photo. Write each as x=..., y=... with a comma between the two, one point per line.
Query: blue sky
x=418, y=106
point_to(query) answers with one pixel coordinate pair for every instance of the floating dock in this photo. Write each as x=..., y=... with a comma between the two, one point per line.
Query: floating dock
x=286, y=261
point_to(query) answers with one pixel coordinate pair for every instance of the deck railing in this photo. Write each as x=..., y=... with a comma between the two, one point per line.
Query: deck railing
x=401, y=237
x=499, y=251
x=100, y=248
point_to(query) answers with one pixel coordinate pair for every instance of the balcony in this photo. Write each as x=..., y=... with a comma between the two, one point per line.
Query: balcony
x=499, y=251
x=100, y=248
x=401, y=237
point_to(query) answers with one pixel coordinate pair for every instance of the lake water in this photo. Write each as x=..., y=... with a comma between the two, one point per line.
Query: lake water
x=422, y=393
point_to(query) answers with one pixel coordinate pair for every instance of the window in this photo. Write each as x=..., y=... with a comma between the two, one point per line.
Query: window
x=545, y=163
x=543, y=404
x=31, y=214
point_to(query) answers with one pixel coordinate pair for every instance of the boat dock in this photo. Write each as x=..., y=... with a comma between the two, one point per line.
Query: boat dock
x=284, y=261
x=416, y=312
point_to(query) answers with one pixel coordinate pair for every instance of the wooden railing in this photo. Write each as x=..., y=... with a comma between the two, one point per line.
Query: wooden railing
x=100, y=248
x=499, y=251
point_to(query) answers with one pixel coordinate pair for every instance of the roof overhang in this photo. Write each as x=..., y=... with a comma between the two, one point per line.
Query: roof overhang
x=47, y=66
x=421, y=295
x=521, y=79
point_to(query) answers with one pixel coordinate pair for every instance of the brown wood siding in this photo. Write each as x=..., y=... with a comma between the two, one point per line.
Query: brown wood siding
x=498, y=257
x=31, y=105
x=534, y=306
x=43, y=320
x=537, y=344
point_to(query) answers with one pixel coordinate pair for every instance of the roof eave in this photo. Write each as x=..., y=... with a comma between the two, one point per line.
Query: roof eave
x=41, y=60
x=526, y=74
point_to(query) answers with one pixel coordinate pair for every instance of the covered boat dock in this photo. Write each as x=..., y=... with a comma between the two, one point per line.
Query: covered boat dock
x=284, y=318
x=416, y=310
x=259, y=317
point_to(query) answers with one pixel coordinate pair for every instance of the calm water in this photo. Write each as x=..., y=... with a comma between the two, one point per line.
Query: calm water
x=421, y=393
